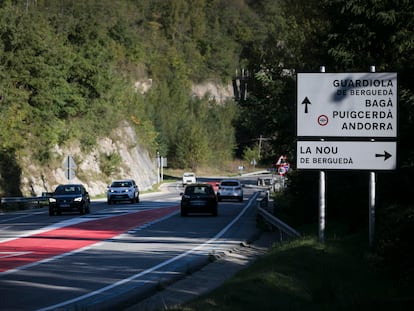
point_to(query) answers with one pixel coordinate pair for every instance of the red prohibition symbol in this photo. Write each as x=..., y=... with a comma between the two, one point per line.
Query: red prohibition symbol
x=322, y=120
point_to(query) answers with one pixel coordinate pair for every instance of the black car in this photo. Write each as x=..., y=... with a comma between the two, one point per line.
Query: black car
x=69, y=198
x=199, y=198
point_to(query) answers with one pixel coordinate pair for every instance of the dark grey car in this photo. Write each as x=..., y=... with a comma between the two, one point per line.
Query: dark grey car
x=69, y=198
x=199, y=198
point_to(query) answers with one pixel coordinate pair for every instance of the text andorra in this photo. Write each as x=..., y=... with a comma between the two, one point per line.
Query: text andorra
x=367, y=126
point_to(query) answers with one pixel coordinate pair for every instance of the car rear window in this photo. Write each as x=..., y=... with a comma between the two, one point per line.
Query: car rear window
x=230, y=183
x=198, y=190
x=68, y=190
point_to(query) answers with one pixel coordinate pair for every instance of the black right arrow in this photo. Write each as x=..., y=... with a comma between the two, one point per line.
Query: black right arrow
x=386, y=155
x=306, y=102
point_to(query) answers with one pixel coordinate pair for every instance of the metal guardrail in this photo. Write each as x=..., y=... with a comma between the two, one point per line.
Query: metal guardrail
x=274, y=221
x=23, y=201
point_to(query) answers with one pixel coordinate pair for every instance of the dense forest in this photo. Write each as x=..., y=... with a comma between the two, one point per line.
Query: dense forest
x=68, y=70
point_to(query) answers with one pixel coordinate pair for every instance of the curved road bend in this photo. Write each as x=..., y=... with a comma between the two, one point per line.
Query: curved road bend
x=98, y=261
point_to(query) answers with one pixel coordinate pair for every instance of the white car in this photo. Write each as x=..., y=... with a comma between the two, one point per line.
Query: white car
x=123, y=190
x=189, y=178
x=230, y=189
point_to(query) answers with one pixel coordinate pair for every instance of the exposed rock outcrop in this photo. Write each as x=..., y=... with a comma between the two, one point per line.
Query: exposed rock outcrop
x=135, y=162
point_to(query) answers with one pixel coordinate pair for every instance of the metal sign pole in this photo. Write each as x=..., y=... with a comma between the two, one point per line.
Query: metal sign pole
x=371, y=207
x=68, y=168
x=322, y=195
x=371, y=198
x=158, y=167
x=321, y=206
x=162, y=168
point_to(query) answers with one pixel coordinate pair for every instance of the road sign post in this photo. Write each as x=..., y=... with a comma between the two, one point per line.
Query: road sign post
x=69, y=166
x=358, y=106
x=372, y=195
x=347, y=105
x=346, y=155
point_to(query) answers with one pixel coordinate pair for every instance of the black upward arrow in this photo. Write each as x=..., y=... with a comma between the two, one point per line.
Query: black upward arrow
x=386, y=155
x=306, y=102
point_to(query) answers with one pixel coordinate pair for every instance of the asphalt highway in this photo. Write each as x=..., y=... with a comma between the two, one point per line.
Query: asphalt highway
x=117, y=255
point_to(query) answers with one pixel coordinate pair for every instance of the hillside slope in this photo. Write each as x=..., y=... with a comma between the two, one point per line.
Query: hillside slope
x=134, y=162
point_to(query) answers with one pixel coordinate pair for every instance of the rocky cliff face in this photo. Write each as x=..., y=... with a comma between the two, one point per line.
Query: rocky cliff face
x=215, y=91
x=135, y=163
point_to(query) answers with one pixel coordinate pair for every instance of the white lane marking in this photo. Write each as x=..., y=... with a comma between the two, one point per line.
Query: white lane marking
x=58, y=225
x=75, y=221
x=21, y=216
x=12, y=254
x=154, y=268
x=79, y=250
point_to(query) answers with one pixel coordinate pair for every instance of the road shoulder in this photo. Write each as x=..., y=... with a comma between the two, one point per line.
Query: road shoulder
x=209, y=276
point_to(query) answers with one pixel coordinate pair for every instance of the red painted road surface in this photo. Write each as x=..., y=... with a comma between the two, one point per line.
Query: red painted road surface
x=28, y=250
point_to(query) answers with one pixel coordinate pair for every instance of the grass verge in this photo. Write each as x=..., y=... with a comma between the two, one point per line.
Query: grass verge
x=306, y=275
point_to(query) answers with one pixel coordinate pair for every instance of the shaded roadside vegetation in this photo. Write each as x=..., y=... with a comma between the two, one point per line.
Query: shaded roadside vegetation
x=10, y=173
x=347, y=208
x=306, y=275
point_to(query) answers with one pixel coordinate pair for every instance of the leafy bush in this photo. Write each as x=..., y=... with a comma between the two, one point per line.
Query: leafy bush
x=394, y=239
x=109, y=164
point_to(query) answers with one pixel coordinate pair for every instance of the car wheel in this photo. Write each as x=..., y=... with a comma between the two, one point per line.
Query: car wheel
x=109, y=202
x=51, y=212
x=88, y=210
x=214, y=213
x=137, y=199
x=82, y=210
x=183, y=213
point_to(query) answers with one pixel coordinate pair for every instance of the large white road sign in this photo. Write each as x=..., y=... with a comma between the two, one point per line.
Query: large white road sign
x=347, y=155
x=347, y=104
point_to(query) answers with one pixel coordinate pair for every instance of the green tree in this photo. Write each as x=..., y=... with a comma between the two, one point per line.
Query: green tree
x=377, y=33
x=192, y=149
x=219, y=125
x=251, y=155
